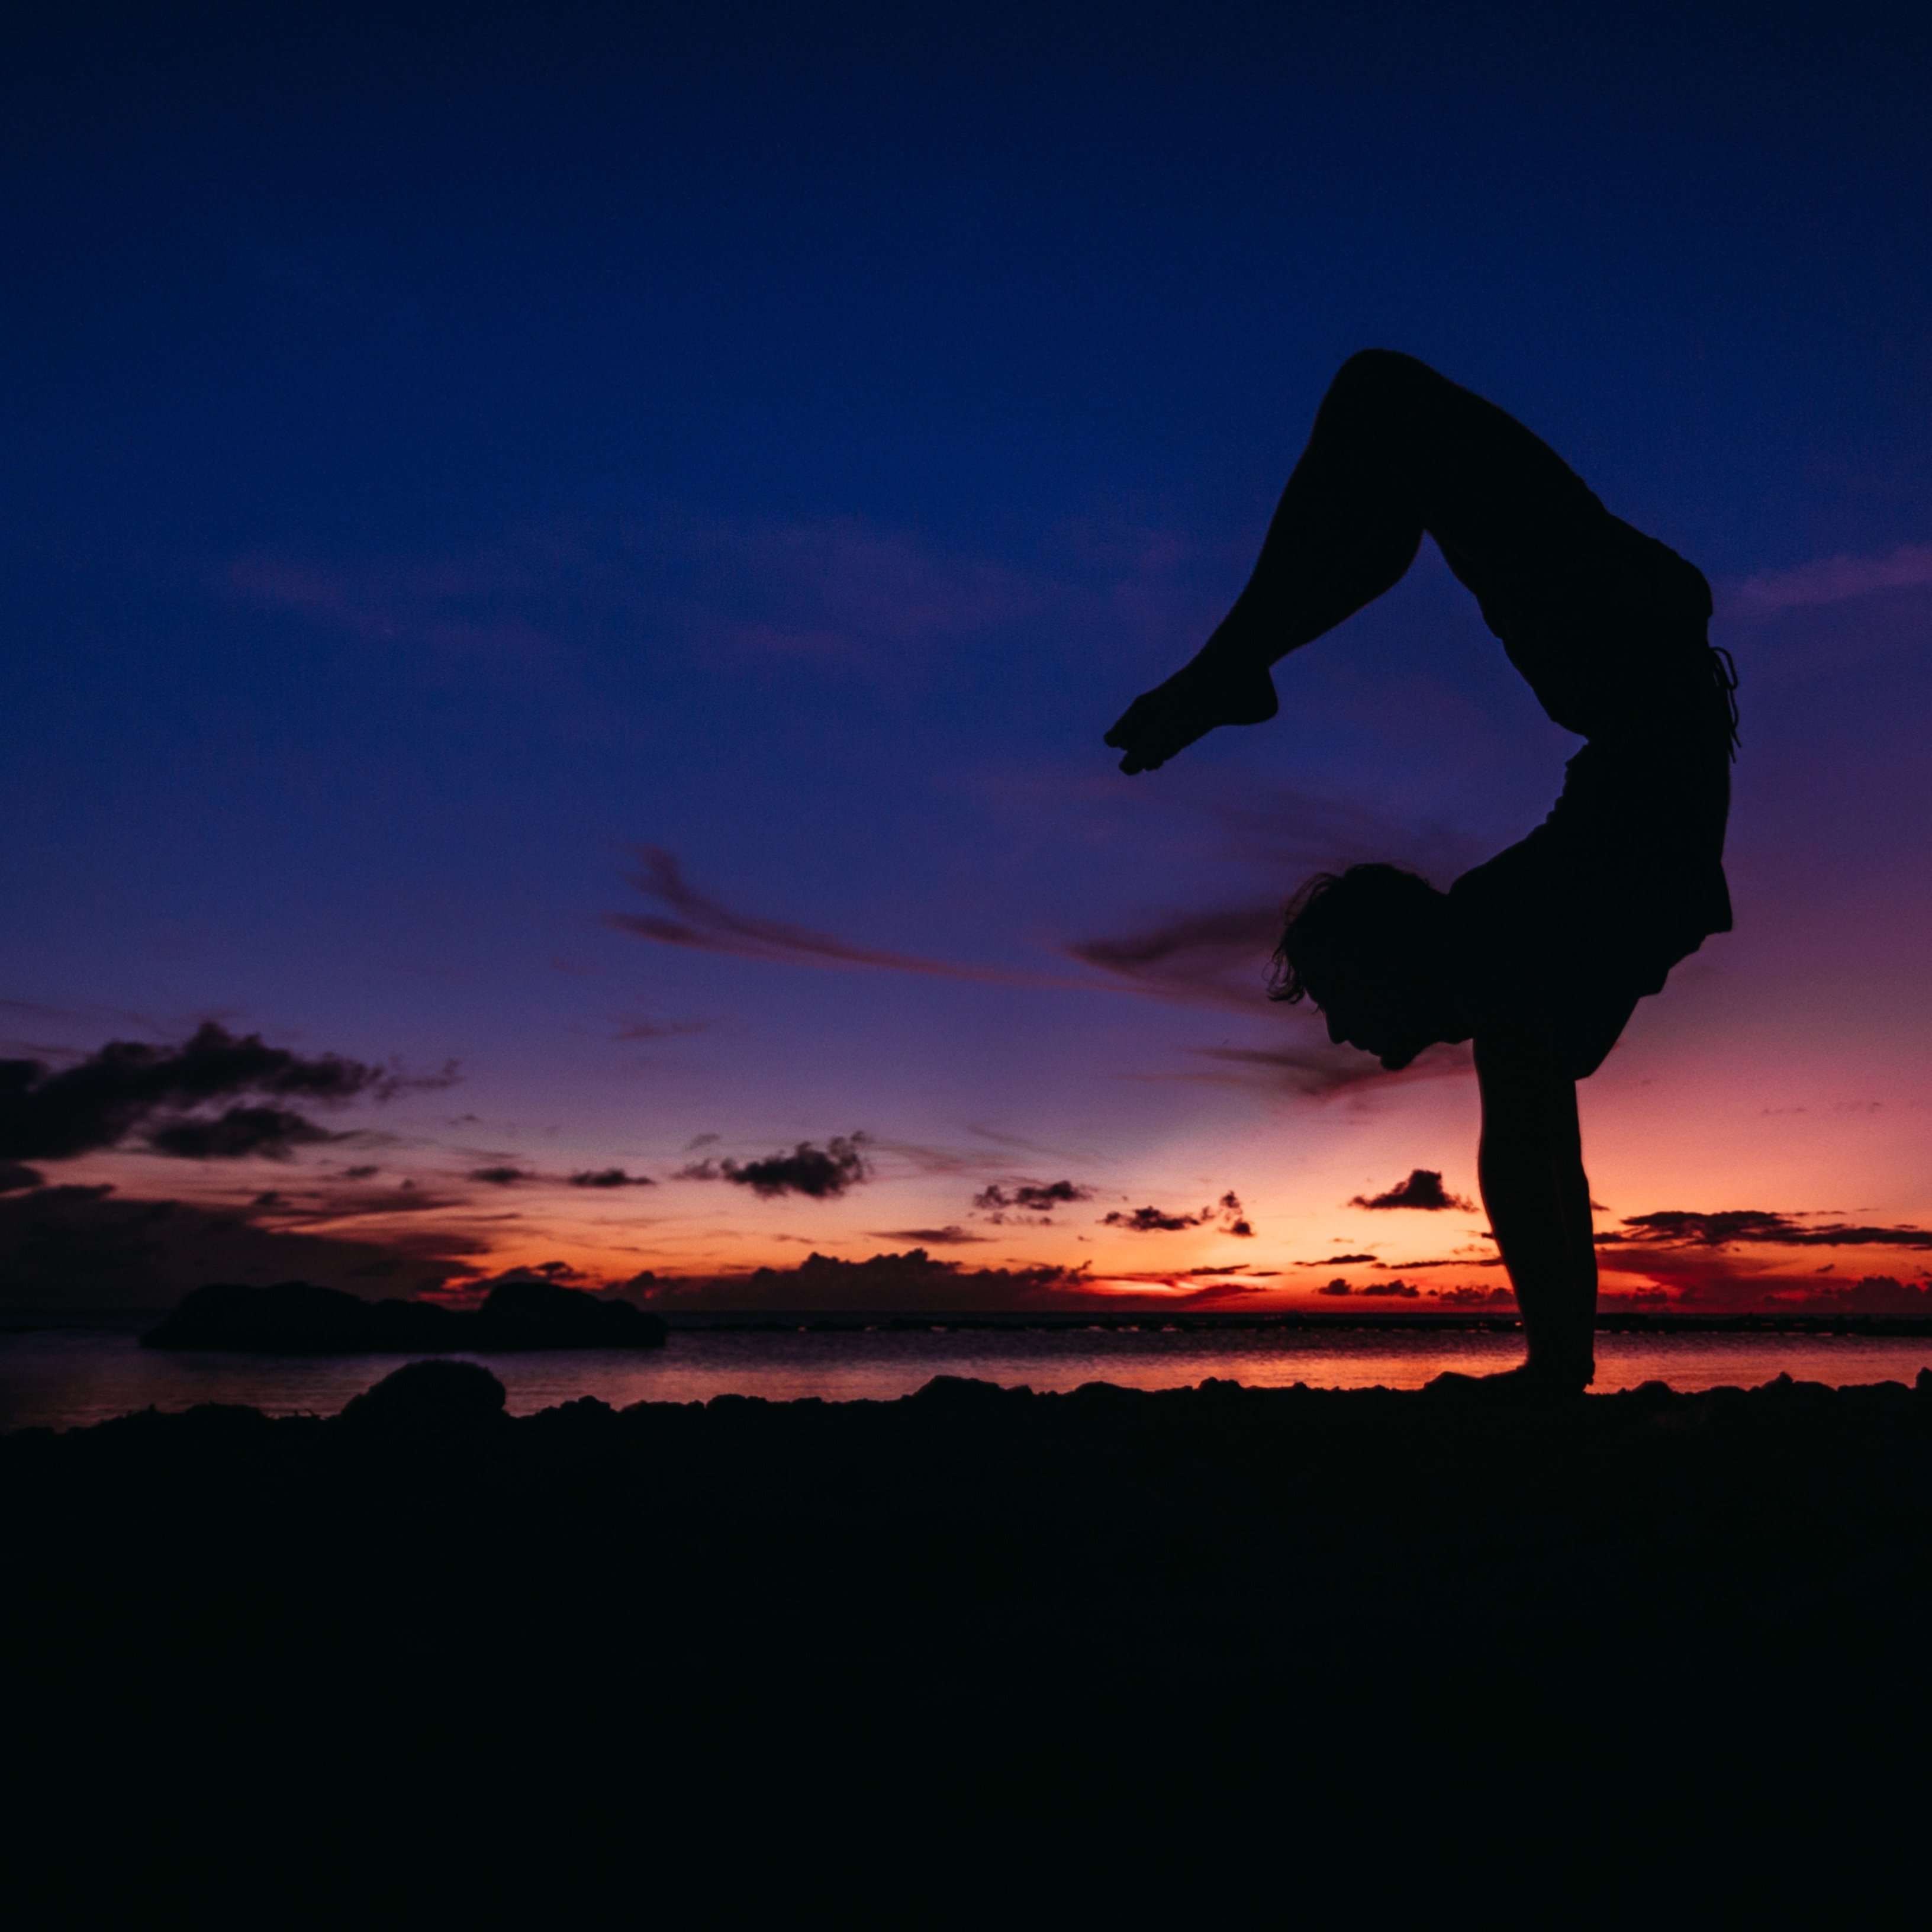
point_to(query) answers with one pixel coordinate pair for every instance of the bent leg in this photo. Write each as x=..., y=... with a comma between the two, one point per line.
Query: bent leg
x=1396, y=449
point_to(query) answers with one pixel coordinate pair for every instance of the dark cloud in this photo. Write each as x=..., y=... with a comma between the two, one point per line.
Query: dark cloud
x=948, y=1237
x=1684, y=1227
x=1032, y=1197
x=611, y=1177
x=359, y=1173
x=1337, y=1286
x=820, y=1174
x=502, y=1177
x=1029, y=1204
x=1423, y=1189
x=13, y=1177
x=1151, y=1220
x=1233, y=1221
x=1398, y=1288
x=272, y=1133
x=1337, y=1260
x=100, y=1101
x=87, y=1247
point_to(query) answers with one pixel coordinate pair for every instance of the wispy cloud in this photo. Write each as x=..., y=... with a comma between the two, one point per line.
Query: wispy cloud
x=835, y=585
x=450, y=605
x=696, y=920
x=1316, y=1071
x=1833, y=579
x=1215, y=957
x=827, y=588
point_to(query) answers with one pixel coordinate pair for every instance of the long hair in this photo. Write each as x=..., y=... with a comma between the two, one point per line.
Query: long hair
x=1349, y=918
x=1284, y=981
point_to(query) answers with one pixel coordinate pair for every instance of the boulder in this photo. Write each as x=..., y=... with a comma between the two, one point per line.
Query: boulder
x=433, y=1398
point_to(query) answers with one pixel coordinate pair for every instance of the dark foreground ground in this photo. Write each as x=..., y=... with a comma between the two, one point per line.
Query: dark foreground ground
x=1220, y=1657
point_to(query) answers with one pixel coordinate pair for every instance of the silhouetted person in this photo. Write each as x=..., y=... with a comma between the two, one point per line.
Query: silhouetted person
x=1540, y=956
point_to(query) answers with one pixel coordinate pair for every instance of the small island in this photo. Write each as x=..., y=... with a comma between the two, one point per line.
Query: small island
x=296, y=1317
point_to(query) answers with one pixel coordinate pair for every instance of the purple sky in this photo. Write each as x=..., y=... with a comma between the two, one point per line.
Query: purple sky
x=598, y=556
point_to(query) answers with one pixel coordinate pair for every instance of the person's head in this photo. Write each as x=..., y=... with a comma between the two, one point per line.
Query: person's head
x=1366, y=946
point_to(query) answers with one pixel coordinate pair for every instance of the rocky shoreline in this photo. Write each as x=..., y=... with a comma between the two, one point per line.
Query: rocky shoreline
x=1335, y=1658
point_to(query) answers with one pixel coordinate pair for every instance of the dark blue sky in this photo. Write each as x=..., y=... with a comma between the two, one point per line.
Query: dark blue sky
x=448, y=451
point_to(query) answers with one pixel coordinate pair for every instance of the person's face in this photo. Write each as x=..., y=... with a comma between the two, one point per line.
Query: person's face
x=1377, y=1019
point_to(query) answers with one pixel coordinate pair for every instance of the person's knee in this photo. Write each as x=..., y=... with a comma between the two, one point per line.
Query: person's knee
x=1378, y=379
x=1376, y=406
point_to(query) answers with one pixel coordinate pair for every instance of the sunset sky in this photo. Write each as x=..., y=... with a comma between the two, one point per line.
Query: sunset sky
x=582, y=568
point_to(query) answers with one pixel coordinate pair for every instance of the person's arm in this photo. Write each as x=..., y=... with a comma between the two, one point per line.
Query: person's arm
x=1530, y=1166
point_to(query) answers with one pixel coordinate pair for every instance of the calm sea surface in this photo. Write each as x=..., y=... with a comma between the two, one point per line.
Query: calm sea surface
x=67, y=1377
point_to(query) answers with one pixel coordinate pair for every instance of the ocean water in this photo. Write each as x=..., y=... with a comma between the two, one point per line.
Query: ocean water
x=67, y=1378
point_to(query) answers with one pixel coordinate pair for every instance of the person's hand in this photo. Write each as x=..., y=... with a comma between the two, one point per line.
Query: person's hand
x=1197, y=697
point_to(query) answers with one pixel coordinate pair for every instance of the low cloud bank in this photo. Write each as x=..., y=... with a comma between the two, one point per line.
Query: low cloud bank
x=1398, y=1290
x=1723, y=1260
x=909, y=1283
x=85, y=1247
x=1678, y=1227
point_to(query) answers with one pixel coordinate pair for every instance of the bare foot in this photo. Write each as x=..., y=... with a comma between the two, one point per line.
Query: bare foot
x=1208, y=692
x=1529, y=1383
